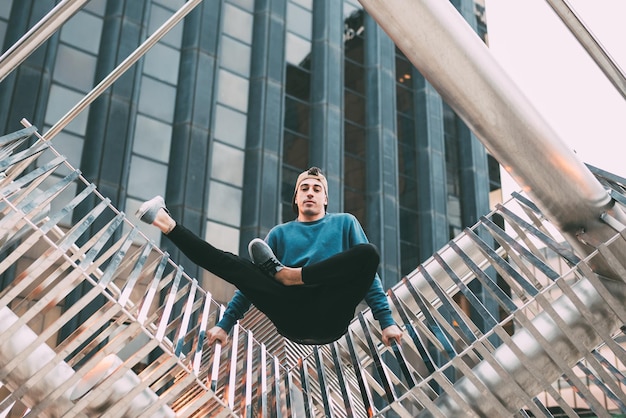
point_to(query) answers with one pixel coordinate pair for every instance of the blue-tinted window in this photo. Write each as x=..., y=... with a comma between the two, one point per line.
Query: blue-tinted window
x=233, y=90
x=297, y=50
x=147, y=178
x=235, y=56
x=157, y=99
x=74, y=68
x=223, y=200
x=299, y=20
x=152, y=138
x=60, y=101
x=227, y=164
x=230, y=126
x=161, y=62
x=238, y=23
x=83, y=31
x=158, y=16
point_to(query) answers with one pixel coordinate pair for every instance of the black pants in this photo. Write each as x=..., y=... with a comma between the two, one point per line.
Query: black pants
x=317, y=312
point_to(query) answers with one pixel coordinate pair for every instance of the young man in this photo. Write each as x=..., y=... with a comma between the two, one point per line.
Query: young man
x=308, y=275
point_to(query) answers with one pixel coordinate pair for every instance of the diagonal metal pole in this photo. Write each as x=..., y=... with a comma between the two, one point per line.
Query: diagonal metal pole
x=37, y=35
x=451, y=56
x=591, y=44
x=121, y=68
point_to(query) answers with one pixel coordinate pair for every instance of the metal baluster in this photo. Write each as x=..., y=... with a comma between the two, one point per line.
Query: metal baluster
x=262, y=395
x=304, y=381
x=410, y=328
x=451, y=309
x=558, y=248
x=169, y=305
x=147, y=300
x=507, y=272
x=431, y=323
x=204, y=319
x=246, y=384
x=229, y=389
x=288, y=387
x=360, y=376
x=322, y=380
x=611, y=393
x=497, y=293
x=217, y=353
x=129, y=285
x=341, y=378
x=184, y=326
x=490, y=321
x=380, y=369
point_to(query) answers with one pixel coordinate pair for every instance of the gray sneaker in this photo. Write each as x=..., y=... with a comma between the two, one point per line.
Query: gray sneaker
x=148, y=210
x=263, y=256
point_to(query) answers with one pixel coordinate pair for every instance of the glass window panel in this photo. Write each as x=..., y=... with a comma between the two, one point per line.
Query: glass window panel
x=60, y=101
x=237, y=23
x=406, y=129
x=67, y=61
x=354, y=77
x=161, y=62
x=223, y=237
x=354, y=203
x=404, y=100
x=408, y=220
x=147, y=178
x=355, y=173
x=230, y=126
x=408, y=192
x=152, y=138
x=235, y=56
x=297, y=50
x=171, y=4
x=299, y=20
x=225, y=204
x=298, y=82
x=354, y=108
x=157, y=99
x=297, y=116
x=96, y=6
x=354, y=139
x=410, y=257
x=3, y=31
x=404, y=71
x=295, y=150
x=307, y=4
x=244, y=4
x=232, y=90
x=83, y=31
x=158, y=16
x=5, y=8
x=227, y=164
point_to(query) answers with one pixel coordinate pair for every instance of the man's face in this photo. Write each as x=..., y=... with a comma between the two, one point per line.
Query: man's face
x=311, y=198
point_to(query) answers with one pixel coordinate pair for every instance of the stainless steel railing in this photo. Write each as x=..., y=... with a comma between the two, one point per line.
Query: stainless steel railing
x=142, y=350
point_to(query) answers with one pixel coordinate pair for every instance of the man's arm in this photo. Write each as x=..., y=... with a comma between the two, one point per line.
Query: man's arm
x=236, y=309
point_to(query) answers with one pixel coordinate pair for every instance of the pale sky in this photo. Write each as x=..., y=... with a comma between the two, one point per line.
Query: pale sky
x=558, y=76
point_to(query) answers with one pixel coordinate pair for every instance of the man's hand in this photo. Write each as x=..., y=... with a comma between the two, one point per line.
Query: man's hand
x=392, y=332
x=216, y=334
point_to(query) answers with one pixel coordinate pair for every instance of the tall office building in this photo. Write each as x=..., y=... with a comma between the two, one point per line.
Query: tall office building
x=222, y=114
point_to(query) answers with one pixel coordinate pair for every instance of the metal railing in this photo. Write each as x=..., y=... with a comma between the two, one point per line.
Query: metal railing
x=142, y=351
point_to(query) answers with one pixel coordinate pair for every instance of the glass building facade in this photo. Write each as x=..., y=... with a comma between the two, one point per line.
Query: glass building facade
x=222, y=114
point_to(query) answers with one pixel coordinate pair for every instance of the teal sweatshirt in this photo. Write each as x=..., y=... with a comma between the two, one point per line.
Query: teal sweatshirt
x=298, y=244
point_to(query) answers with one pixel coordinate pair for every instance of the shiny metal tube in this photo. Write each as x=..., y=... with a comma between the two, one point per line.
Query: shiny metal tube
x=37, y=35
x=445, y=49
x=589, y=42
